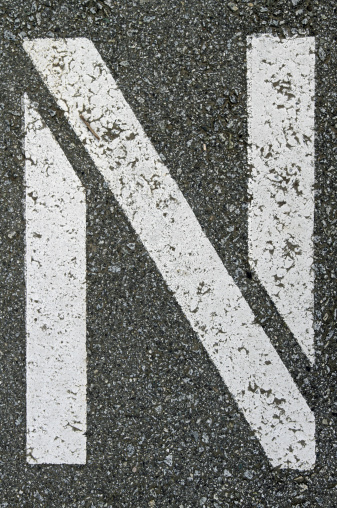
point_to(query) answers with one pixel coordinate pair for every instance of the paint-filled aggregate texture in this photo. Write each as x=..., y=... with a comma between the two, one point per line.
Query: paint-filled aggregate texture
x=56, y=300
x=281, y=110
x=163, y=428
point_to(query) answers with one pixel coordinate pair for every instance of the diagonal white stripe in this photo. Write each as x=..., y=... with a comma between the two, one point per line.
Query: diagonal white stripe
x=56, y=293
x=264, y=390
x=281, y=80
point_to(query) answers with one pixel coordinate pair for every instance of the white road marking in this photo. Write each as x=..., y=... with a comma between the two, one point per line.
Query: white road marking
x=249, y=365
x=281, y=81
x=56, y=300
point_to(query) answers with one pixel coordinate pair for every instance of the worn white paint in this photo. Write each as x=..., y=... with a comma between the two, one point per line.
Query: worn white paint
x=281, y=80
x=56, y=300
x=263, y=388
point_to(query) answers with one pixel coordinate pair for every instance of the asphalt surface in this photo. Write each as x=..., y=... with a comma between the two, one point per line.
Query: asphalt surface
x=163, y=430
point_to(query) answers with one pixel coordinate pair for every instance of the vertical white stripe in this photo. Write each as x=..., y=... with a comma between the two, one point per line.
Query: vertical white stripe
x=56, y=300
x=281, y=80
x=81, y=83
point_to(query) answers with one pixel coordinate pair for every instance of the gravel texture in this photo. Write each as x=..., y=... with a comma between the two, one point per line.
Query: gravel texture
x=163, y=430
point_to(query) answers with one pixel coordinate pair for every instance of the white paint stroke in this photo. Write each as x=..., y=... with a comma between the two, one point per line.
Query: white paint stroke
x=281, y=82
x=249, y=365
x=55, y=299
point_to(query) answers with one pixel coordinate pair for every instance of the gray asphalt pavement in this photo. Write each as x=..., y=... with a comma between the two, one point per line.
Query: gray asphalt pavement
x=163, y=429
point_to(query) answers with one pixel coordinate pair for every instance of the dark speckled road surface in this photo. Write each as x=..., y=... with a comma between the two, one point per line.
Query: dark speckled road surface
x=163, y=428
